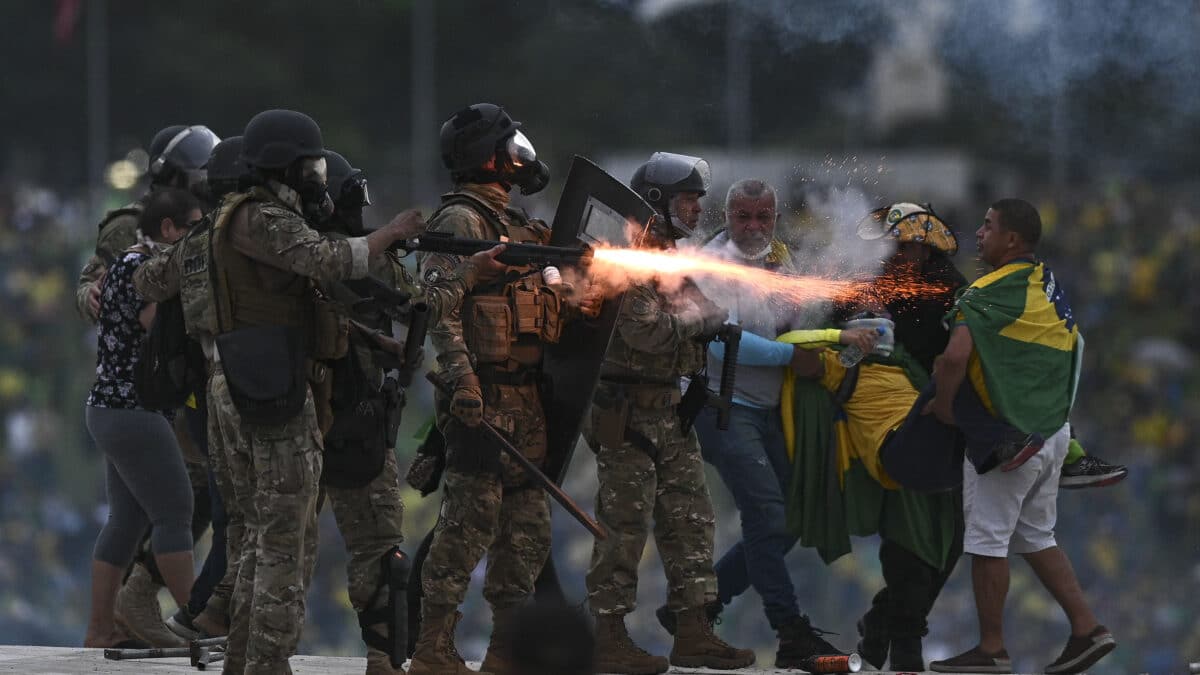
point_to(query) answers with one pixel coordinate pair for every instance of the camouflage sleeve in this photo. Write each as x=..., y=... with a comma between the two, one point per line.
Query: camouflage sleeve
x=276, y=236
x=91, y=272
x=445, y=284
x=157, y=279
x=646, y=326
x=115, y=236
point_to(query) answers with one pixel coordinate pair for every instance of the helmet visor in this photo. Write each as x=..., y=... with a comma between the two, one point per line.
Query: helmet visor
x=190, y=148
x=520, y=150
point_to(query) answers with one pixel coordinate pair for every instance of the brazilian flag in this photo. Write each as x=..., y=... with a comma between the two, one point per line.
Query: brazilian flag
x=1027, y=345
x=826, y=507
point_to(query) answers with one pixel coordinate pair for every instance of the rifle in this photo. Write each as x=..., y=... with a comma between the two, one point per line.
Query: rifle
x=515, y=254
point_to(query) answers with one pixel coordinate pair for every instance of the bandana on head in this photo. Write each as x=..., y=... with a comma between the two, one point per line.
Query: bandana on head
x=907, y=222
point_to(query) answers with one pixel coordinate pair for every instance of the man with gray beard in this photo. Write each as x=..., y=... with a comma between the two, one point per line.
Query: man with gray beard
x=751, y=456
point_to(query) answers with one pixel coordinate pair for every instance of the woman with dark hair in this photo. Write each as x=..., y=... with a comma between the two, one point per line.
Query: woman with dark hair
x=145, y=477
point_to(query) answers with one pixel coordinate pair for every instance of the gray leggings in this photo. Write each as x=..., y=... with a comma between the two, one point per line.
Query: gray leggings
x=147, y=484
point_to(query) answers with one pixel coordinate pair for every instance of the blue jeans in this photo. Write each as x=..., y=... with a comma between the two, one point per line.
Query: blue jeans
x=751, y=457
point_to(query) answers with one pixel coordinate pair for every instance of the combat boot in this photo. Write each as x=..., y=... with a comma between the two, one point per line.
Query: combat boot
x=213, y=620
x=798, y=640
x=616, y=652
x=435, y=653
x=138, y=611
x=498, y=659
x=906, y=655
x=379, y=663
x=696, y=646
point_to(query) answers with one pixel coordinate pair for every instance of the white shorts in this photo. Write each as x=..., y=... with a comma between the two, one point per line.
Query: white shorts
x=1014, y=512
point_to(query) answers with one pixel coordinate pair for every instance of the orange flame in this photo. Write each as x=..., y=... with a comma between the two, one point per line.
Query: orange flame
x=618, y=266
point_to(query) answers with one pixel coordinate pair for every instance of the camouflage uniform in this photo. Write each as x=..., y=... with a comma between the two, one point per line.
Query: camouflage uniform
x=371, y=517
x=657, y=472
x=183, y=270
x=488, y=506
x=118, y=231
x=265, y=257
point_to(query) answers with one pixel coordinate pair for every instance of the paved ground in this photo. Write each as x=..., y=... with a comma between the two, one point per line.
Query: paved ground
x=63, y=660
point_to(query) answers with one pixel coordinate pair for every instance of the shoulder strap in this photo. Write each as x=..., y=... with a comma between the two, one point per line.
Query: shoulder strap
x=849, y=383
x=475, y=203
x=218, y=275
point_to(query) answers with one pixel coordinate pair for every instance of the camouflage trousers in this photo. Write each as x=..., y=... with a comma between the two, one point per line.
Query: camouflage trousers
x=235, y=521
x=668, y=488
x=491, y=509
x=274, y=472
x=370, y=520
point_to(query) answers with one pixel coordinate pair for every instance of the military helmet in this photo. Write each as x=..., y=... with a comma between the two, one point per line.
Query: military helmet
x=667, y=174
x=345, y=181
x=185, y=153
x=164, y=136
x=275, y=138
x=470, y=136
x=226, y=169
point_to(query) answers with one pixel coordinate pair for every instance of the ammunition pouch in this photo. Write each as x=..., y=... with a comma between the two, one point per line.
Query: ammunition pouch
x=524, y=308
x=331, y=331
x=265, y=369
x=610, y=417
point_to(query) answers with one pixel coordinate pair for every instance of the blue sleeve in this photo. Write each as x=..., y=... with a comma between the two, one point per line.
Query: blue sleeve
x=756, y=350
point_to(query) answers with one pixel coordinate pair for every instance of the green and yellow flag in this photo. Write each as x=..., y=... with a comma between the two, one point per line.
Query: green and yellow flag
x=1026, y=345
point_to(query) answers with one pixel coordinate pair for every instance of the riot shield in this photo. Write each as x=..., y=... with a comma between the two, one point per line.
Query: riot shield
x=594, y=206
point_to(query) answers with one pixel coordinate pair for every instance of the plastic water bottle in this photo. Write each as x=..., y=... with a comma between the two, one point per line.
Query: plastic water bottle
x=852, y=354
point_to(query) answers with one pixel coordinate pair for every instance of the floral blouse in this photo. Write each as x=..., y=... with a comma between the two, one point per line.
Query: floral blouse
x=120, y=336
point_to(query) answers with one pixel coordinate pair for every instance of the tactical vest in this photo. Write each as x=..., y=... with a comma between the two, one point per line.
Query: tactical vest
x=506, y=322
x=626, y=362
x=245, y=293
x=195, y=275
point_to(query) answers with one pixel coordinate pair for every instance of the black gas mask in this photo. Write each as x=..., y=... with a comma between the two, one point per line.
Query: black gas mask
x=517, y=162
x=309, y=176
x=348, y=214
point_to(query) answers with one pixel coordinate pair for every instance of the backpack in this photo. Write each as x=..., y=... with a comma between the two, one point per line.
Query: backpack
x=171, y=366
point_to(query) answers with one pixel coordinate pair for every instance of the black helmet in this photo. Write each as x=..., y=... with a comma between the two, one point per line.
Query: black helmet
x=181, y=160
x=476, y=134
x=667, y=174
x=226, y=170
x=275, y=138
x=347, y=185
x=470, y=136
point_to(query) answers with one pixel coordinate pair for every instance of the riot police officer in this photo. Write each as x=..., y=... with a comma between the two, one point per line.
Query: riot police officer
x=178, y=156
x=648, y=467
x=269, y=344
x=490, y=354
x=360, y=475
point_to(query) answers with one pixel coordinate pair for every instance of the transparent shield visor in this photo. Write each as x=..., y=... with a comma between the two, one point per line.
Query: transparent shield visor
x=520, y=150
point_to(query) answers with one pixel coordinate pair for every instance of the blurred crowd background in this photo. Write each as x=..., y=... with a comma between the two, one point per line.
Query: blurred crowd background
x=1087, y=108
